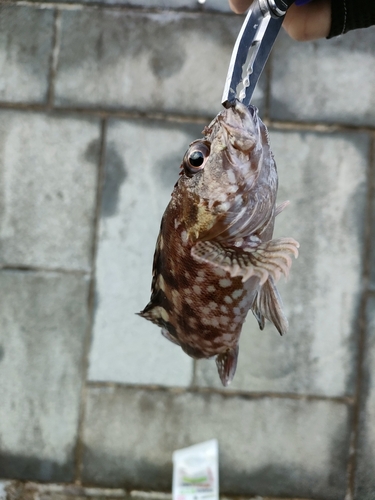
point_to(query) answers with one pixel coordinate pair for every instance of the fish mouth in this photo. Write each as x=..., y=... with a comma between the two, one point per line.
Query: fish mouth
x=241, y=126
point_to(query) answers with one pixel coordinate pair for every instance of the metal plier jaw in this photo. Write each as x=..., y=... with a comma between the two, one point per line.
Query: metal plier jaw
x=252, y=48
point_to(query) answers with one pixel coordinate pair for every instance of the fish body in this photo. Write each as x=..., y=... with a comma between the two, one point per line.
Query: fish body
x=215, y=258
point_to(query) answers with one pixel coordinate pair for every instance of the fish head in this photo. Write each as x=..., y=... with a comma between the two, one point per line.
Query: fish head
x=221, y=173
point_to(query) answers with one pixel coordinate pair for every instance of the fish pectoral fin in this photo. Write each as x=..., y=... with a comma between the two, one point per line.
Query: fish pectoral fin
x=271, y=258
x=268, y=304
x=226, y=365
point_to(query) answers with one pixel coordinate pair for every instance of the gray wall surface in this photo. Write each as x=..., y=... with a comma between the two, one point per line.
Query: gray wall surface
x=98, y=103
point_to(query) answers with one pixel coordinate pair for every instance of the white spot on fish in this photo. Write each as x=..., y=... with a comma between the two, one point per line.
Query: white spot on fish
x=228, y=299
x=199, y=279
x=176, y=298
x=232, y=188
x=197, y=289
x=222, y=196
x=237, y=294
x=163, y=313
x=201, y=274
x=237, y=311
x=224, y=207
x=161, y=243
x=161, y=282
x=215, y=322
x=205, y=310
x=244, y=302
x=184, y=237
x=220, y=272
x=224, y=309
x=212, y=305
x=193, y=324
x=224, y=283
x=238, y=242
x=224, y=320
x=211, y=288
x=231, y=177
x=176, y=223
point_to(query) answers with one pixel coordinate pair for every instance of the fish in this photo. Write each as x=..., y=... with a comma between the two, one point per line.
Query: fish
x=215, y=258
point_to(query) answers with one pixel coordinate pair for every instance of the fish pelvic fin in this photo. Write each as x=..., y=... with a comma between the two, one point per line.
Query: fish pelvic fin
x=268, y=259
x=226, y=363
x=268, y=304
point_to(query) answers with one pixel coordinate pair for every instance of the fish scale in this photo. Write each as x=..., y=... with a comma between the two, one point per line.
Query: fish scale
x=215, y=258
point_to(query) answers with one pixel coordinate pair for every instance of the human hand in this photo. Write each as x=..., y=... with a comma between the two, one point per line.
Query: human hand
x=304, y=22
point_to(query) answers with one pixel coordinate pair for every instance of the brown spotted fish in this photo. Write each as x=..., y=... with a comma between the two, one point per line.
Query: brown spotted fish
x=215, y=257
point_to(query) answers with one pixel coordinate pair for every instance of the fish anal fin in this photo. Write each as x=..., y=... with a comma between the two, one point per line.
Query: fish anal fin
x=270, y=258
x=258, y=315
x=226, y=363
x=268, y=304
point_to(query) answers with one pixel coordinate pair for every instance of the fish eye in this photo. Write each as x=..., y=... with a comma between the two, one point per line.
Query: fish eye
x=195, y=157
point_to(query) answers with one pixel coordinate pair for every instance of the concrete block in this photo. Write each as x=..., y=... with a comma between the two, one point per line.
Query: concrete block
x=365, y=480
x=17, y=490
x=324, y=177
x=26, y=35
x=168, y=61
x=372, y=233
x=280, y=447
x=48, y=169
x=330, y=81
x=43, y=324
x=142, y=165
x=204, y=5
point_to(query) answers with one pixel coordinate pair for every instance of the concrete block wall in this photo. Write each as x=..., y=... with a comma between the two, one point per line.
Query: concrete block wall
x=98, y=102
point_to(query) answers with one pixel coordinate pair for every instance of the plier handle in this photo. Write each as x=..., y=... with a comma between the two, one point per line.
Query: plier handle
x=252, y=48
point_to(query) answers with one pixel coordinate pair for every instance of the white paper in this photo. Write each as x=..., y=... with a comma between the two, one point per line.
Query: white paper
x=196, y=472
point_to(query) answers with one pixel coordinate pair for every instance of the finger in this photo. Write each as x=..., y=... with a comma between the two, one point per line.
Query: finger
x=310, y=21
x=239, y=6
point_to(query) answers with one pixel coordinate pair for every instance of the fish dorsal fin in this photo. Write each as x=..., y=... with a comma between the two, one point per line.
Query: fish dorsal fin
x=268, y=304
x=281, y=207
x=271, y=258
x=226, y=365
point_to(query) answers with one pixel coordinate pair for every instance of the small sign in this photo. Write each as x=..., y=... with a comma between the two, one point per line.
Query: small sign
x=196, y=472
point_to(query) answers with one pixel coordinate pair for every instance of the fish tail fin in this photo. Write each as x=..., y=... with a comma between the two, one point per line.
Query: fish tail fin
x=268, y=304
x=226, y=365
